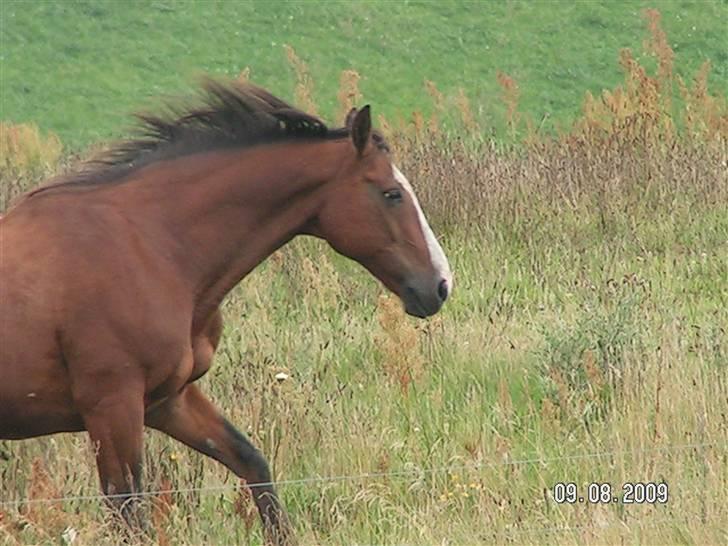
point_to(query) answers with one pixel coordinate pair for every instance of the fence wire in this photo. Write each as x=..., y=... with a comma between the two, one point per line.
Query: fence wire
x=395, y=474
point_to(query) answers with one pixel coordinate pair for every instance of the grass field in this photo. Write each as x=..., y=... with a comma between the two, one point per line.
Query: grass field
x=585, y=341
x=78, y=68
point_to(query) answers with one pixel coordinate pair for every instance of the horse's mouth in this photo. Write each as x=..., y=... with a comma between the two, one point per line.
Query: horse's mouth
x=416, y=306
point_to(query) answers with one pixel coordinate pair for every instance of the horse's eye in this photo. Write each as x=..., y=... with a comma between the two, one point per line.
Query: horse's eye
x=393, y=196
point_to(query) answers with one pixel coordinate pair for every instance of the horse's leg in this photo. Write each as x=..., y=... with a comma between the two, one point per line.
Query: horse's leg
x=192, y=419
x=113, y=413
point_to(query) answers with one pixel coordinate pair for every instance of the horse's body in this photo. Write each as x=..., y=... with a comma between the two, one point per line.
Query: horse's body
x=110, y=282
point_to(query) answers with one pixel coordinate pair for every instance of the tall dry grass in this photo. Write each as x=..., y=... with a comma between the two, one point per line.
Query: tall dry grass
x=25, y=157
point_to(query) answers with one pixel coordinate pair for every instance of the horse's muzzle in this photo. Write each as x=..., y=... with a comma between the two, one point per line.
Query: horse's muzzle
x=424, y=298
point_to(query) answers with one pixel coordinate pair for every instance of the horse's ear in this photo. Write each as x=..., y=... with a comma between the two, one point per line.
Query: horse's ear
x=350, y=118
x=361, y=127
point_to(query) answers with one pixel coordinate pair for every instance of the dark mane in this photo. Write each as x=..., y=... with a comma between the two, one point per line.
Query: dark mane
x=230, y=114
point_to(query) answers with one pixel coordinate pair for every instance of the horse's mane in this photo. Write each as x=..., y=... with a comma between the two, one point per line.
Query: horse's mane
x=229, y=114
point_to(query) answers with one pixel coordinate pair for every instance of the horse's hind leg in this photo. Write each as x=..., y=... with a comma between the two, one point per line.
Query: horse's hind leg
x=193, y=419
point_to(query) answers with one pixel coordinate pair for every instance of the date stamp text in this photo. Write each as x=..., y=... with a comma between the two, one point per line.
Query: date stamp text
x=606, y=493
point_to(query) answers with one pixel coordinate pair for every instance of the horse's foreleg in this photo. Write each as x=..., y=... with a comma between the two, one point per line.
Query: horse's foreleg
x=115, y=423
x=192, y=419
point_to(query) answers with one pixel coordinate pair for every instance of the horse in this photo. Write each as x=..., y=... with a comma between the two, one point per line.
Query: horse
x=111, y=277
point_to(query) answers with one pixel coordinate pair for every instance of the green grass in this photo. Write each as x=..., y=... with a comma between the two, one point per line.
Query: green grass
x=78, y=68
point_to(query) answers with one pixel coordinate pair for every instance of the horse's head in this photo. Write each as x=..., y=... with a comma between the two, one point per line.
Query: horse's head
x=370, y=213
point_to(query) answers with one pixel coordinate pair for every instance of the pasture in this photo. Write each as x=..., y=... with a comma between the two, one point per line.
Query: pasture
x=79, y=68
x=585, y=340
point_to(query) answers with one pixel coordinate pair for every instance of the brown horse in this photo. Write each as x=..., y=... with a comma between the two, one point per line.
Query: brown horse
x=111, y=278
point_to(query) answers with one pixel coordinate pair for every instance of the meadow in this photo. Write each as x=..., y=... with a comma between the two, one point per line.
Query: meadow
x=585, y=342
x=78, y=68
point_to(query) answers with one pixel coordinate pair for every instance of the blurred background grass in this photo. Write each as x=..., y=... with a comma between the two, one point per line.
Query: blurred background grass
x=78, y=68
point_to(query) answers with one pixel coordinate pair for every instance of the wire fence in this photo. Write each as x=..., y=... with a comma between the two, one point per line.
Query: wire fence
x=394, y=474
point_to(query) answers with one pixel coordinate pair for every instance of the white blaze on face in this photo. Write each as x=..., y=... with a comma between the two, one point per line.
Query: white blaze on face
x=437, y=256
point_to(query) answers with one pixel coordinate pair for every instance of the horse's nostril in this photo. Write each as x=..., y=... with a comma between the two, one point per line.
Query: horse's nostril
x=442, y=289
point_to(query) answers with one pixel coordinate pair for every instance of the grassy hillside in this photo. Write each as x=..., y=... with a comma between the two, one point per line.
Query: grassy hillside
x=78, y=68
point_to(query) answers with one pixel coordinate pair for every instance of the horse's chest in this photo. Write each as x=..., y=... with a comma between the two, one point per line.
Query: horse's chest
x=193, y=365
x=169, y=380
x=203, y=351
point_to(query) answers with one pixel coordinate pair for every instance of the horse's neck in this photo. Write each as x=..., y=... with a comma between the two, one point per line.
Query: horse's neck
x=227, y=211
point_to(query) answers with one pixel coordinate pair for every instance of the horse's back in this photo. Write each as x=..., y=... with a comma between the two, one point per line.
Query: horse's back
x=65, y=254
